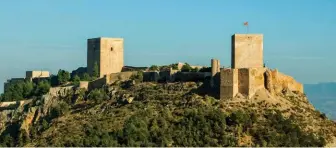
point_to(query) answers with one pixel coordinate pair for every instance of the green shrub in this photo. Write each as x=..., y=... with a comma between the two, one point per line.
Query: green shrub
x=174, y=66
x=18, y=90
x=86, y=77
x=186, y=68
x=97, y=96
x=42, y=88
x=76, y=80
x=137, y=77
x=62, y=77
x=59, y=109
x=154, y=68
x=205, y=69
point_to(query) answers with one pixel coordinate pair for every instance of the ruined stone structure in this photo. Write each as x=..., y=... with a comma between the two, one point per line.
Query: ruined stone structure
x=110, y=78
x=248, y=74
x=108, y=53
x=277, y=81
x=215, y=67
x=84, y=84
x=228, y=83
x=247, y=51
x=30, y=75
x=37, y=74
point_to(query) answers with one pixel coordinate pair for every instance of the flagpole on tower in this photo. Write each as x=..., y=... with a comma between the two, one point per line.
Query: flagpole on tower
x=247, y=27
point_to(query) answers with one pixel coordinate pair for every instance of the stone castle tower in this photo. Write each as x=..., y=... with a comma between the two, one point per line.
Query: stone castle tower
x=247, y=51
x=247, y=74
x=108, y=53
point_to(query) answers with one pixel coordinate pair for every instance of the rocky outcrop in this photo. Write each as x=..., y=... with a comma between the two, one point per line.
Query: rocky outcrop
x=29, y=118
x=28, y=112
x=268, y=81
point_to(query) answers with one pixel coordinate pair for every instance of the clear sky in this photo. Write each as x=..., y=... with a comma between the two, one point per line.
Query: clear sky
x=299, y=35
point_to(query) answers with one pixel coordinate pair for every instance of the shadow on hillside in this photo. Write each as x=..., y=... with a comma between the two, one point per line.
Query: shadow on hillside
x=207, y=89
x=81, y=107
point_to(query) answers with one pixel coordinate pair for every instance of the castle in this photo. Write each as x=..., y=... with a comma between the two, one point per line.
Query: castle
x=246, y=76
x=248, y=73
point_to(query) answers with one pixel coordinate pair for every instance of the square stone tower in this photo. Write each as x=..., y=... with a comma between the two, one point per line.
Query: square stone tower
x=37, y=74
x=247, y=51
x=107, y=52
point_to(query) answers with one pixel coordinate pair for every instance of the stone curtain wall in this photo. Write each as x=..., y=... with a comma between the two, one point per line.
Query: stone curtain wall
x=122, y=76
x=228, y=83
x=98, y=83
x=243, y=81
x=256, y=80
x=281, y=81
x=247, y=81
x=191, y=76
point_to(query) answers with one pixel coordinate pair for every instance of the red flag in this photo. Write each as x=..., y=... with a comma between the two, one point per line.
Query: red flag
x=245, y=23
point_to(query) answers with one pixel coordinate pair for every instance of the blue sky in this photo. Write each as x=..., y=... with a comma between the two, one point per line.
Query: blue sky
x=299, y=35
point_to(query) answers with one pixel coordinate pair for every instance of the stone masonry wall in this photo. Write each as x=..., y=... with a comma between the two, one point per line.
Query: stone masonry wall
x=228, y=83
x=84, y=84
x=247, y=81
x=107, y=52
x=111, y=55
x=256, y=80
x=37, y=74
x=93, y=53
x=247, y=51
x=98, y=83
x=191, y=76
x=281, y=81
x=151, y=76
x=122, y=76
x=215, y=67
x=243, y=81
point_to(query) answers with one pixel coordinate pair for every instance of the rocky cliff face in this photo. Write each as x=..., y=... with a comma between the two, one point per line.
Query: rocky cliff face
x=25, y=113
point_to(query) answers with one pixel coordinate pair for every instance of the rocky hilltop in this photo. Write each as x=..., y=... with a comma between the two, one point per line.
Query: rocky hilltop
x=135, y=113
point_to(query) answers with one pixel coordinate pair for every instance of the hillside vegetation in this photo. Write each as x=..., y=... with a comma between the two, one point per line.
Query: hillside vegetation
x=133, y=113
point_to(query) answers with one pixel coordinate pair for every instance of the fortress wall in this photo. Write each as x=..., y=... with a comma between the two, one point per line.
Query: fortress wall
x=37, y=74
x=111, y=78
x=243, y=81
x=165, y=75
x=256, y=80
x=281, y=81
x=122, y=76
x=84, y=84
x=13, y=104
x=191, y=76
x=98, y=83
x=228, y=83
x=6, y=104
x=152, y=76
